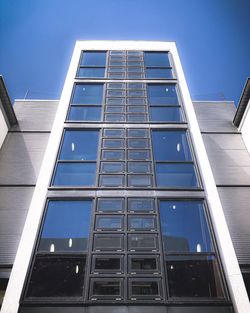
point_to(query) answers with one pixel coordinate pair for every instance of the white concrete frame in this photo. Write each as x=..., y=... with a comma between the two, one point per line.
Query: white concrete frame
x=24, y=253
x=245, y=127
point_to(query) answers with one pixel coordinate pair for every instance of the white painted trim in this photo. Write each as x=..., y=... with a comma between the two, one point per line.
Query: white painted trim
x=24, y=253
x=36, y=100
x=3, y=128
x=244, y=127
x=230, y=264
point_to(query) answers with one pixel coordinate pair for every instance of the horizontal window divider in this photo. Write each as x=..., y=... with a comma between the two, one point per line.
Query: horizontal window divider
x=158, y=66
x=173, y=162
x=212, y=253
x=92, y=66
x=86, y=105
x=75, y=161
x=65, y=254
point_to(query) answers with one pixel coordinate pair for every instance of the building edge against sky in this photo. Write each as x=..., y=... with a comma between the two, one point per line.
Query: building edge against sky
x=230, y=264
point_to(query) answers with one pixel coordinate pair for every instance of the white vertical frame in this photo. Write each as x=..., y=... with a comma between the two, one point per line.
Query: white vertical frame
x=24, y=253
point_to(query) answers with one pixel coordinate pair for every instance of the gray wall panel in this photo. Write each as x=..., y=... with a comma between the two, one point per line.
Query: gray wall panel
x=21, y=156
x=35, y=115
x=14, y=205
x=236, y=206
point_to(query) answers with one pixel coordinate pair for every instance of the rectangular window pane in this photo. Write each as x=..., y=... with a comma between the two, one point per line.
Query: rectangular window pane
x=116, y=85
x=79, y=145
x=137, y=222
x=85, y=113
x=135, y=63
x=176, y=175
x=115, y=93
x=117, y=69
x=114, y=117
x=184, y=227
x=111, y=180
x=136, y=93
x=138, y=143
x=139, y=167
x=170, y=146
x=165, y=114
x=137, y=101
x=110, y=205
x=116, y=75
x=135, y=69
x=144, y=264
x=162, y=94
x=136, y=109
x=107, y=264
x=115, y=101
x=156, y=59
x=113, y=143
x=112, y=168
x=141, y=205
x=117, y=63
x=194, y=276
x=57, y=277
x=137, y=117
x=113, y=155
x=143, y=242
x=87, y=94
x=137, y=133
x=139, y=180
x=106, y=288
x=138, y=155
x=163, y=73
x=75, y=174
x=114, y=109
x=66, y=226
x=114, y=133
x=106, y=222
x=145, y=288
x=108, y=242
x=93, y=58
x=136, y=85
x=91, y=72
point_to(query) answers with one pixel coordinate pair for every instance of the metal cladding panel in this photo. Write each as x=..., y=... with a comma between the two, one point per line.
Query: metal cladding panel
x=215, y=116
x=35, y=115
x=229, y=158
x=14, y=205
x=20, y=158
x=236, y=206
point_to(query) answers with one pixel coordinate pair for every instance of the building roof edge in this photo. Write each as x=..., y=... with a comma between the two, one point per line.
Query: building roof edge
x=243, y=104
x=6, y=105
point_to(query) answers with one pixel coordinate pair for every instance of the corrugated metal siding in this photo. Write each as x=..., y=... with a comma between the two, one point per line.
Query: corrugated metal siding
x=14, y=204
x=35, y=115
x=236, y=205
x=21, y=156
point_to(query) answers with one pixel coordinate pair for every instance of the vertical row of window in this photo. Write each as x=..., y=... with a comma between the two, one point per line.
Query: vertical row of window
x=126, y=262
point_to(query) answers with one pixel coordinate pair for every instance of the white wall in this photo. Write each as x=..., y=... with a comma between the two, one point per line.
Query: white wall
x=3, y=128
x=245, y=127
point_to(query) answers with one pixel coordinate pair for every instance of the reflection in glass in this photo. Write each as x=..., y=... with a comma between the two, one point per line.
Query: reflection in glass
x=66, y=226
x=85, y=113
x=112, y=168
x=112, y=155
x=141, y=222
x=194, y=276
x=142, y=242
x=79, y=145
x=139, y=180
x=144, y=287
x=139, y=167
x=156, y=59
x=93, y=58
x=57, y=277
x=109, y=222
x=144, y=264
x=87, y=94
x=138, y=143
x=165, y=114
x=141, y=205
x=75, y=174
x=110, y=205
x=107, y=263
x=184, y=227
x=108, y=242
x=163, y=73
x=138, y=155
x=137, y=117
x=91, y=72
x=113, y=143
x=106, y=287
x=114, y=133
x=111, y=180
x=175, y=175
x=162, y=94
x=137, y=132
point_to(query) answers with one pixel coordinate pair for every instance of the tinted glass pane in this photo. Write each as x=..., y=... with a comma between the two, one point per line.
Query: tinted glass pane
x=141, y=222
x=66, y=226
x=137, y=101
x=111, y=180
x=139, y=167
x=162, y=94
x=116, y=75
x=170, y=146
x=114, y=133
x=191, y=276
x=138, y=143
x=137, y=133
x=115, y=117
x=156, y=59
x=142, y=242
x=57, y=277
x=93, y=58
x=108, y=242
x=110, y=205
x=116, y=93
x=141, y=205
x=114, y=109
x=79, y=145
x=140, y=180
x=117, y=69
x=144, y=264
x=113, y=155
x=88, y=94
x=91, y=72
x=106, y=288
x=107, y=263
x=144, y=288
x=85, y=114
x=116, y=85
x=136, y=109
x=159, y=73
x=75, y=174
x=176, y=175
x=135, y=69
x=109, y=222
x=184, y=227
x=165, y=114
x=137, y=117
x=112, y=168
x=115, y=101
x=136, y=93
x=136, y=85
x=113, y=143
x=138, y=155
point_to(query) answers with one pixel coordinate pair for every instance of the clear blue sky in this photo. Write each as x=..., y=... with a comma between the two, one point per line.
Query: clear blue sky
x=37, y=39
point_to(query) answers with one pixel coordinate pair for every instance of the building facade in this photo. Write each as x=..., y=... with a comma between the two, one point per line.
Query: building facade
x=125, y=214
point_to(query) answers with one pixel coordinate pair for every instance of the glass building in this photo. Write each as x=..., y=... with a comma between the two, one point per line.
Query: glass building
x=125, y=216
